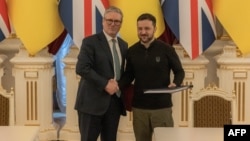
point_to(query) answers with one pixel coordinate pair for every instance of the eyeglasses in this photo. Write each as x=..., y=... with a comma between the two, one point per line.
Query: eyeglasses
x=110, y=21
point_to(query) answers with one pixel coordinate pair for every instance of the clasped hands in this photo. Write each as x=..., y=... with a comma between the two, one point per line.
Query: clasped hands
x=112, y=87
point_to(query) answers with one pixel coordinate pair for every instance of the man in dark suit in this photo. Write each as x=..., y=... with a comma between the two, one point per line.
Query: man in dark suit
x=98, y=100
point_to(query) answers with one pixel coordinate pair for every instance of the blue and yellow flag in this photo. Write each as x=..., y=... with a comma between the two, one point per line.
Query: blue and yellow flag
x=234, y=17
x=36, y=22
x=132, y=10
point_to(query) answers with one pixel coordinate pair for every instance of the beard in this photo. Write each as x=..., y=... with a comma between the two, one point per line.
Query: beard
x=145, y=38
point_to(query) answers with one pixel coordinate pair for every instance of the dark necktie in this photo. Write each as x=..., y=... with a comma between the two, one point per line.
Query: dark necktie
x=116, y=63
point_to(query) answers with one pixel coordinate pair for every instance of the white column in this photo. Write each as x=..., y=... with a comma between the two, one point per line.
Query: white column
x=233, y=72
x=33, y=91
x=70, y=130
x=195, y=74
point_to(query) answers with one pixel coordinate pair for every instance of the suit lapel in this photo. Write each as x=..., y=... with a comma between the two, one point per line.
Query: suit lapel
x=105, y=47
x=123, y=48
x=107, y=51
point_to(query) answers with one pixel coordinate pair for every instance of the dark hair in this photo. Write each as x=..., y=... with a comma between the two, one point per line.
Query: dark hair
x=147, y=16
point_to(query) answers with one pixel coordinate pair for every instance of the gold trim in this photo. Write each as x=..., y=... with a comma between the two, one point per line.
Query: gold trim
x=243, y=101
x=31, y=74
x=239, y=100
x=189, y=75
x=28, y=100
x=186, y=107
x=12, y=35
x=36, y=114
x=182, y=107
x=31, y=124
x=240, y=74
x=31, y=97
x=183, y=125
x=238, y=52
x=30, y=55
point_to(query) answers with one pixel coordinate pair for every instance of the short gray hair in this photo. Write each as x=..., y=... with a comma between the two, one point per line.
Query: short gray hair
x=113, y=9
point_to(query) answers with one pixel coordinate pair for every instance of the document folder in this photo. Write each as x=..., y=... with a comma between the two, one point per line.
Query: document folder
x=167, y=90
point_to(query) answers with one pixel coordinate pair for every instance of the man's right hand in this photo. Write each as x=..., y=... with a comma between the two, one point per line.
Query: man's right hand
x=112, y=87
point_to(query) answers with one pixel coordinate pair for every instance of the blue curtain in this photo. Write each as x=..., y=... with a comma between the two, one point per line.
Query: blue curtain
x=60, y=78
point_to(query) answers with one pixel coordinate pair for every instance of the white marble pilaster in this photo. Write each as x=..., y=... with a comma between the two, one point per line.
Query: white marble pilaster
x=33, y=91
x=70, y=130
x=233, y=72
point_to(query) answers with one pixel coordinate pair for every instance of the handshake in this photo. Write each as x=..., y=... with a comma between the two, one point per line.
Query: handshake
x=112, y=87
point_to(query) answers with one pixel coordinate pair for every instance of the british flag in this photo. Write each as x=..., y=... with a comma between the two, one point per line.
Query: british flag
x=5, y=28
x=82, y=18
x=192, y=22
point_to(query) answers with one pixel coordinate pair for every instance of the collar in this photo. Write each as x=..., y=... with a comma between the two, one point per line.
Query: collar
x=148, y=44
x=109, y=38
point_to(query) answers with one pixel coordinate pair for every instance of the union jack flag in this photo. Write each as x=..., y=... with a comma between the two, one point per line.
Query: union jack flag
x=192, y=22
x=82, y=18
x=5, y=28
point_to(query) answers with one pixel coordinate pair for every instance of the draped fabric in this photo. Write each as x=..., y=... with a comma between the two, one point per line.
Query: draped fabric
x=57, y=43
x=60, y=77
x=5, y=28
x=82, y=18
x=234, y=17
x=132, y=10
x=192, y=22
x=36, y=22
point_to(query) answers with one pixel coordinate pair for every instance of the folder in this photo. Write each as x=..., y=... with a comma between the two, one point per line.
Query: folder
x=167, y=90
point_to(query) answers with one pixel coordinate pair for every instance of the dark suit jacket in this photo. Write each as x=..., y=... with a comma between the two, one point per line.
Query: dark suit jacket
x=95, y=66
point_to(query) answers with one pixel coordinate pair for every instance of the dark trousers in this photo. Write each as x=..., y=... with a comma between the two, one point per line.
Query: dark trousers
x=91, y=126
